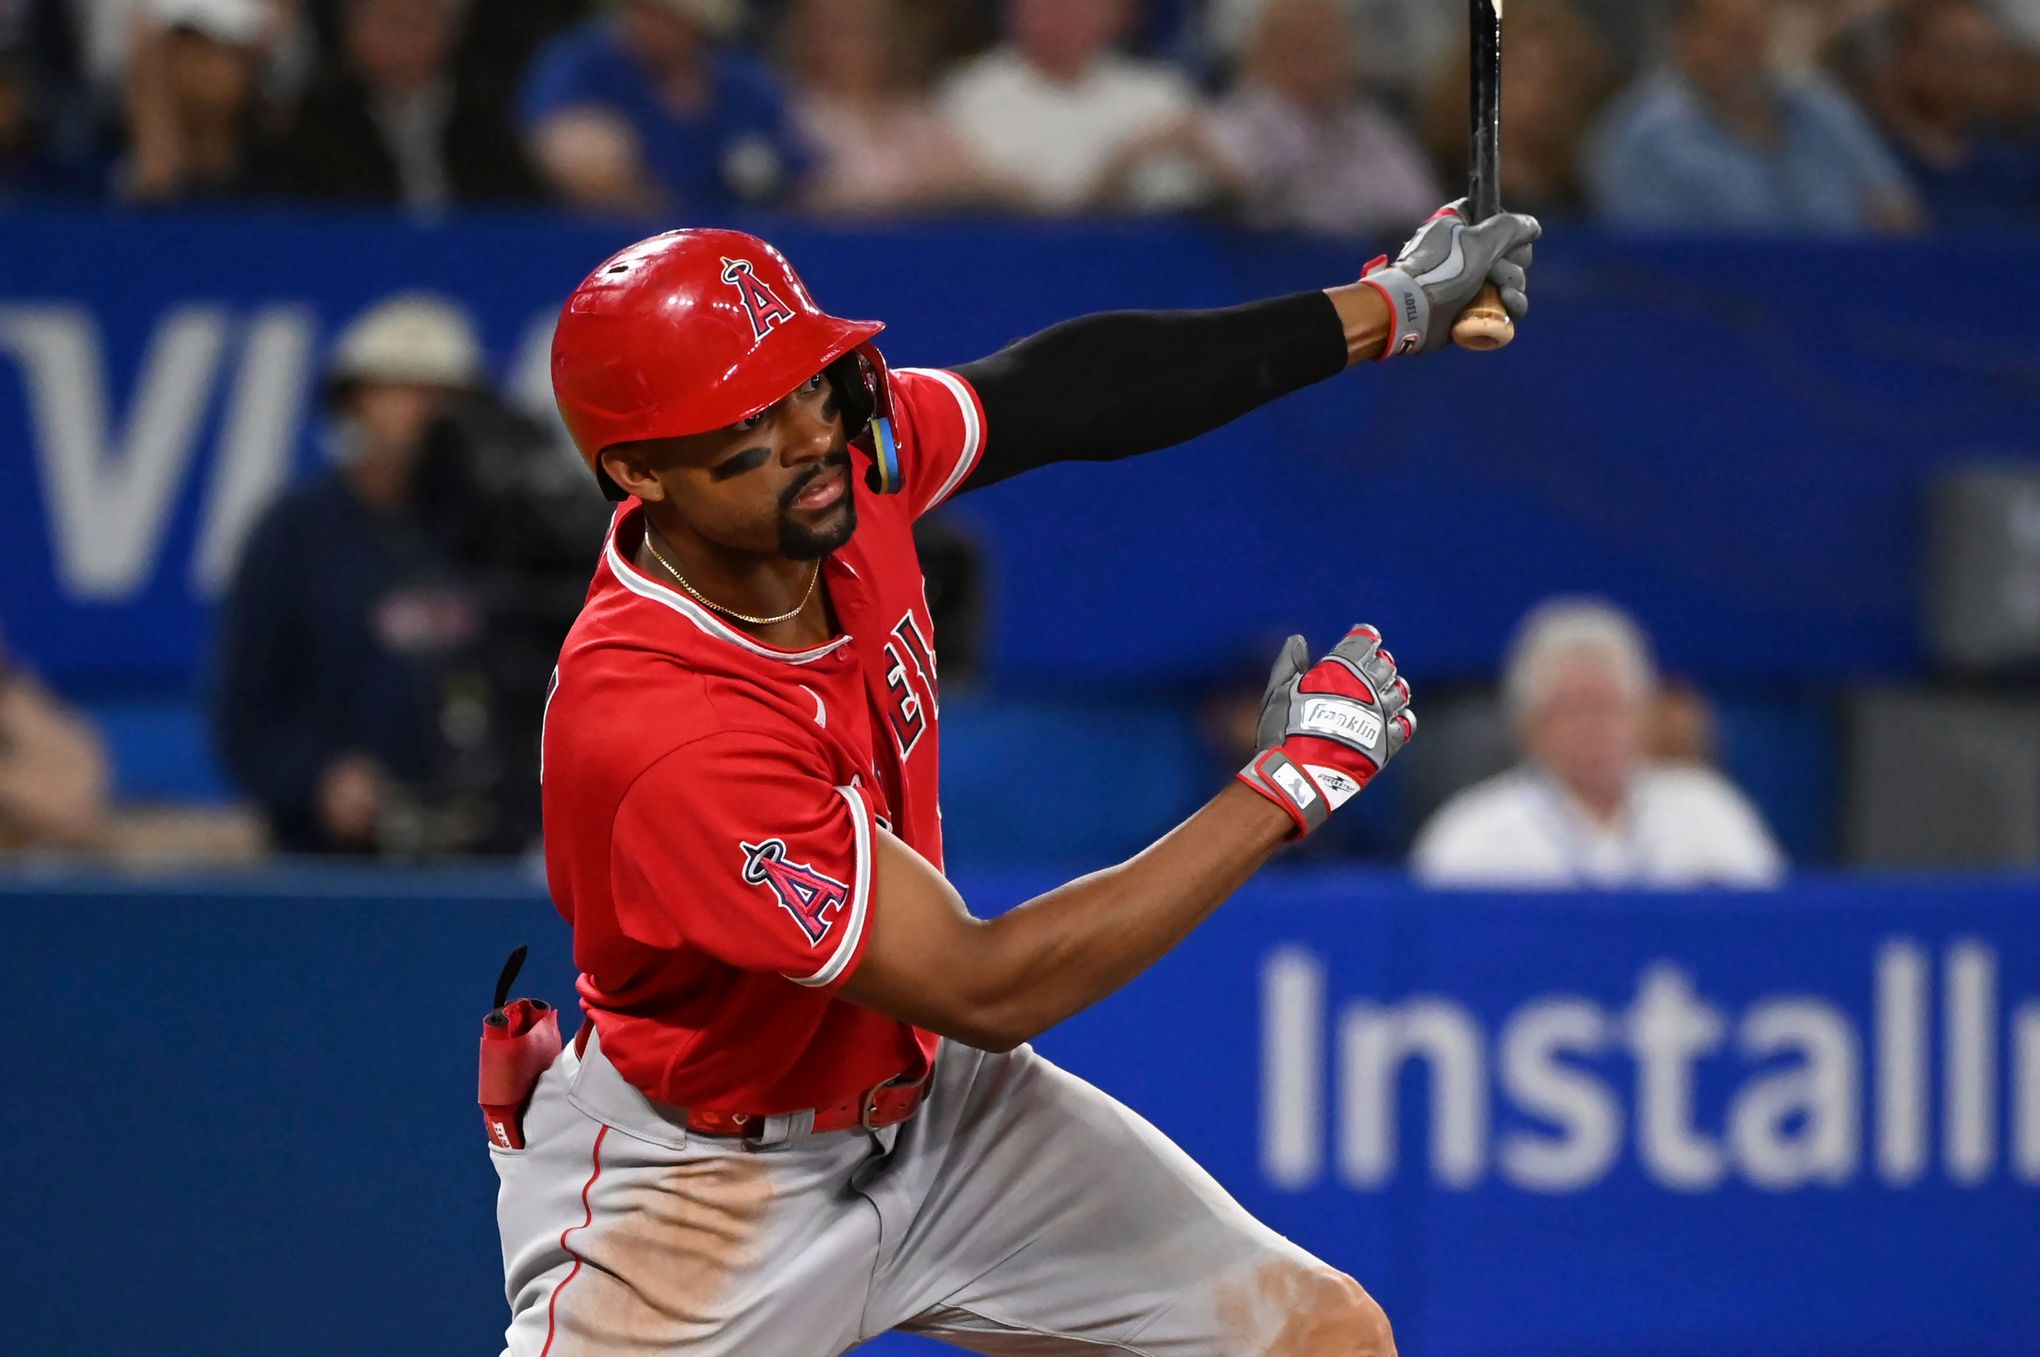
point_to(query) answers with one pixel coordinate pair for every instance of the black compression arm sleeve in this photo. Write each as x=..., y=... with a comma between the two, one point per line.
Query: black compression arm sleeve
x=1127, y=382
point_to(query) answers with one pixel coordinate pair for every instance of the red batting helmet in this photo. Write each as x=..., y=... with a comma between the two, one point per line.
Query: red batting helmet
x=695, y=330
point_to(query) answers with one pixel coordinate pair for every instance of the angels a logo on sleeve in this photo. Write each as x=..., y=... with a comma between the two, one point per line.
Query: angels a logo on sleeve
x=813, y=898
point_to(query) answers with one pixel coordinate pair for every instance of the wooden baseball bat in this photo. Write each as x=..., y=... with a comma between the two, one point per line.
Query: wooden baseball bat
x=1486, y=326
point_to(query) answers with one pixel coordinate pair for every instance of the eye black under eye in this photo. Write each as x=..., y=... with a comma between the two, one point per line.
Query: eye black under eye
x=748, y=460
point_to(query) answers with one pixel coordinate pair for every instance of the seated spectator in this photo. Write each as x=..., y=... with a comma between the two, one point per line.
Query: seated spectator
x=1720, y=140
x=197, y=123
x=1067, y=123
x=647, y=110
x=1559, y=77
x=1298, y=145
x=53, y=775
x=392, y=124
x=1405, y=41
x=1940, y=97
x=344, y=608
x=1586, y=807
x=879, y=148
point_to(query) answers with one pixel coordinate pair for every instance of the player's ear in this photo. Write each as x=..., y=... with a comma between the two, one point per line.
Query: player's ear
x=634, y=469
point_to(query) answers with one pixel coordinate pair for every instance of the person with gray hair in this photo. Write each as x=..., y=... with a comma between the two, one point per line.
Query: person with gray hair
x=1586, y=806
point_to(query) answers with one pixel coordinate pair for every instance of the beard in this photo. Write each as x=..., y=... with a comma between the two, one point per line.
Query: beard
x=804, y=542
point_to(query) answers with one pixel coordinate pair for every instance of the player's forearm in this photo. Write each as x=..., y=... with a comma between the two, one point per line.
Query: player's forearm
x=1122, y=383
x=1060, y=953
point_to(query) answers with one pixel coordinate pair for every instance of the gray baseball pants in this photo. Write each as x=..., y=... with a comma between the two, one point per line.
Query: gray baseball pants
x=1020, y=1212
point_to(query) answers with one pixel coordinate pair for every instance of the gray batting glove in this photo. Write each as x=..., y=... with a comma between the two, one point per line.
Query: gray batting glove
x=1328, y=728
x=1442, y=269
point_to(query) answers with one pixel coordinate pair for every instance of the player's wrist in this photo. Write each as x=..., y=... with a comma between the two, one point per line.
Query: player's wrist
x=1282, y=782
x=1406, y=311
x=1264, y=820
x=1365, y=318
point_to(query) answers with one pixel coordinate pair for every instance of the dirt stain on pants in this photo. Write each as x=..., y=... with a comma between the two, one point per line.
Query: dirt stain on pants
x=1287, y=1310
x=658, y=1260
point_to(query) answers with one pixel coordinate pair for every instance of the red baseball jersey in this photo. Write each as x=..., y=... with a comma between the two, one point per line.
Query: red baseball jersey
x=710, y=800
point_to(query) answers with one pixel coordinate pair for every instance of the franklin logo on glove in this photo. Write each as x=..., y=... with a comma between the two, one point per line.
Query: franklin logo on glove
x=1341, y=719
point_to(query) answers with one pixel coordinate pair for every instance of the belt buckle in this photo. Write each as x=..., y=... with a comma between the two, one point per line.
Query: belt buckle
x=868, y=1107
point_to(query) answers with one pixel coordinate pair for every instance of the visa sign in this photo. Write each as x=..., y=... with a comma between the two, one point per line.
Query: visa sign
x=114, y=466
x=1934, y=1083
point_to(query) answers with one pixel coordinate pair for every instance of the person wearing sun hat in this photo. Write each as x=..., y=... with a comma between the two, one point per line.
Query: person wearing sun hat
x=345, y=608
x=196, y=120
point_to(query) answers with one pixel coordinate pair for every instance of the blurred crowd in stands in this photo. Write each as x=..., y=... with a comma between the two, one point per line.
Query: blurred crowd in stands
x=1332, y=116
x=379, y=680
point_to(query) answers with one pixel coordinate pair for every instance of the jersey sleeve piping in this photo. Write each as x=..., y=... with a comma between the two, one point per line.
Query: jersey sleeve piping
x=973, y=434
x=850, y=946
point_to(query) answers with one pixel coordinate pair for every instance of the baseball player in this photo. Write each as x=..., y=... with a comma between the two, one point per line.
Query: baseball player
x=802, y=1110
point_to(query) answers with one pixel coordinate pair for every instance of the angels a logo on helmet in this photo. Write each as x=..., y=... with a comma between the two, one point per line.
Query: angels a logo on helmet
x=764, y=306
x=813, y=898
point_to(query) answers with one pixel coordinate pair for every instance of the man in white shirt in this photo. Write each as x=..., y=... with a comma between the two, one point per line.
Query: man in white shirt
x=1066, y=123
x=1586, y=807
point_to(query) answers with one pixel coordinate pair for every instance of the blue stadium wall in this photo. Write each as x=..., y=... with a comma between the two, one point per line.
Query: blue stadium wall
x=239, y=1111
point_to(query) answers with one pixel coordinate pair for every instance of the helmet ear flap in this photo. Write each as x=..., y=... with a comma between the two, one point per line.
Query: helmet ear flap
x=855, y=392
x=859, y=378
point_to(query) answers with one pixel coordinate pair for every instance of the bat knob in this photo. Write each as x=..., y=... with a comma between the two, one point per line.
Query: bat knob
x=1485, y=326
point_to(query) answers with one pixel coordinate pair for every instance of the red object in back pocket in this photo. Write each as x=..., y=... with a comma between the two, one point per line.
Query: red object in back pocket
x=519, y=1042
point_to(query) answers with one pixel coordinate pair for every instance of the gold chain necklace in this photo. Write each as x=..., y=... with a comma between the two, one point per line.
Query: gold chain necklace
x=707, y=602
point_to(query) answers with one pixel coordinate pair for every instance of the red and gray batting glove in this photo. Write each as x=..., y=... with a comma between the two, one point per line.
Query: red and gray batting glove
x=1442, y=269
x=1328, y=728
